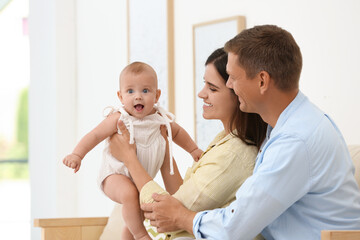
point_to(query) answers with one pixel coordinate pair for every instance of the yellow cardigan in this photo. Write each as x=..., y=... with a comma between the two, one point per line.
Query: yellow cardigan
x=212, y=181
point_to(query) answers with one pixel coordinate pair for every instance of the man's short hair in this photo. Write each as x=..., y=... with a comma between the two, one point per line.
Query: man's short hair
x=268, y=48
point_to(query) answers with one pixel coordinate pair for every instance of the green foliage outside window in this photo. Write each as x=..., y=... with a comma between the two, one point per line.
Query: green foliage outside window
x=17, y=150
x=14, y=171
x=22, y=124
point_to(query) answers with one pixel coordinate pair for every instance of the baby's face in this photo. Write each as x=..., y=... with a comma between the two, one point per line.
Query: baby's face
x=138, y=92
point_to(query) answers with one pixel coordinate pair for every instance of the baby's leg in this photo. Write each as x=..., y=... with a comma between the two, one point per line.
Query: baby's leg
x=126, y=234
x=121, y=189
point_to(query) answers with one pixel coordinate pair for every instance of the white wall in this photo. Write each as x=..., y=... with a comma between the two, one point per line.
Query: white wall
x=51, y=107
x=78, y=49
x=327, y=32
x=102, y=54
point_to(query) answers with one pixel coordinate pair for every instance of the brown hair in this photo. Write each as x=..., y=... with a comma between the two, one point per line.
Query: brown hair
x=250, y=127
x=271, y=49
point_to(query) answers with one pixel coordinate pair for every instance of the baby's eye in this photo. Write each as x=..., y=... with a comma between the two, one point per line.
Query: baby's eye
x=145, y=90
x=130, y=91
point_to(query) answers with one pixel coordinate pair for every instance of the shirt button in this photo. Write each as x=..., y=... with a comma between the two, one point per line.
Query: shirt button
x=232, y=210
x=260, y=150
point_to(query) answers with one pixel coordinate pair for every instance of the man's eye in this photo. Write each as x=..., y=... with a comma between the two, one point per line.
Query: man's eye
x=130, y=91
x=212, y=89
x=145, y=91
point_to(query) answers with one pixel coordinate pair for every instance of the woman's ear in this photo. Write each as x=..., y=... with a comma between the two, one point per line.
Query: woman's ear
x=158, y=93
x=264, y=81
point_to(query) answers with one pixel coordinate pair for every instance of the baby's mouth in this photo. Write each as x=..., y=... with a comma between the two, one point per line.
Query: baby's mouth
x=139, y=107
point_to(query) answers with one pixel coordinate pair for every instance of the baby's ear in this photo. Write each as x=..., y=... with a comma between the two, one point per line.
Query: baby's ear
x=119, y=95
x=158, y=93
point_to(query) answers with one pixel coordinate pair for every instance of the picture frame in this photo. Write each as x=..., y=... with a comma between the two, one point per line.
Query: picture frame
x=207, y=37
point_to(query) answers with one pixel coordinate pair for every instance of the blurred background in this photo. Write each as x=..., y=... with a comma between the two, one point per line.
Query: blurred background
x=14, y=86
x=59, y=67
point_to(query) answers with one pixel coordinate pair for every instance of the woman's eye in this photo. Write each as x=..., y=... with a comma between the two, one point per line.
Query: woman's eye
x=145, y=91
x=130, y=91
x=212, y=89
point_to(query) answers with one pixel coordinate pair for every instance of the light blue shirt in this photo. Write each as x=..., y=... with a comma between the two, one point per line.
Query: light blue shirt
x=303, y=183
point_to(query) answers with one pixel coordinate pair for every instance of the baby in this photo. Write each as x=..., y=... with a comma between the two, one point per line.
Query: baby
x=139, y=94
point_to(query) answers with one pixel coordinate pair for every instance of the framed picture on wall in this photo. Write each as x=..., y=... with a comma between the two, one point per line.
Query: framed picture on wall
x=207, y=37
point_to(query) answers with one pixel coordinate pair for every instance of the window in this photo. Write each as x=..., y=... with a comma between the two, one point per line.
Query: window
x=14, y=81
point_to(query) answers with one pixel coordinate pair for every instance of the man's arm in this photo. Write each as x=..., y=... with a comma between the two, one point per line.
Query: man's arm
x=277, y=183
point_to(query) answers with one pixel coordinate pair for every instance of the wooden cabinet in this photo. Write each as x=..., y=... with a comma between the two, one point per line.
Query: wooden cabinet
x=71, y=228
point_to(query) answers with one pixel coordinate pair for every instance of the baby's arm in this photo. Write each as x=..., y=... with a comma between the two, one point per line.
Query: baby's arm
x=183, y=139
x=105, y=129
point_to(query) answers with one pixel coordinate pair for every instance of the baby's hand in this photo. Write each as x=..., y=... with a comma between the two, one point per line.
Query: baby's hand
x=73, y=161
x=196, y=154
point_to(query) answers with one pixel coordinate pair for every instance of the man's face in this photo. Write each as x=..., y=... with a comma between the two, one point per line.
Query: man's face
x=245, y=88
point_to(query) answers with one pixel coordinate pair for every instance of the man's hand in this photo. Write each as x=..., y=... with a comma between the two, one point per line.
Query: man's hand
x=119, y=145
x=168, y=214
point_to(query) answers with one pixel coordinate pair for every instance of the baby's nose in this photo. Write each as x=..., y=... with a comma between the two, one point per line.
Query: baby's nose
x=138, y=96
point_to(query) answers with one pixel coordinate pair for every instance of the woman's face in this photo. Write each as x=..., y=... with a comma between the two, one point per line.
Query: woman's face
x=219, y=101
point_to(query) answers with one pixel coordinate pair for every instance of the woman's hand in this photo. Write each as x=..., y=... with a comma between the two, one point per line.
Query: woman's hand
x=119, y=145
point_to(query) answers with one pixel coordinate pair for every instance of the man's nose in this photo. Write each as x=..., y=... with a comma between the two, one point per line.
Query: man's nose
x=229, y=83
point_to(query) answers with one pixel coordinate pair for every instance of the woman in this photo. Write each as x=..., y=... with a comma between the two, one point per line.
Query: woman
x=229, y=159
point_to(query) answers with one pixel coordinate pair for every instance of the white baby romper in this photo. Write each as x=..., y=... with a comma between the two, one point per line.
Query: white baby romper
x=150, y=144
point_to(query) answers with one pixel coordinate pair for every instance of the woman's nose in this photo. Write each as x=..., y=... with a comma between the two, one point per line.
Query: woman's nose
x=201, y=94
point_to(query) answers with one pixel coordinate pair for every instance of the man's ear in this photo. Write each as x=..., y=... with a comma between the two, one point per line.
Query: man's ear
x=158, y=93
x=264, y=81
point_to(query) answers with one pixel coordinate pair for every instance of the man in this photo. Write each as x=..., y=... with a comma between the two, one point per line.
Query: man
x=303, y=178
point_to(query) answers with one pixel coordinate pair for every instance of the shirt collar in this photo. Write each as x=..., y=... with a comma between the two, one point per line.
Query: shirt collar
x=284, y=116
x=219, y=139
